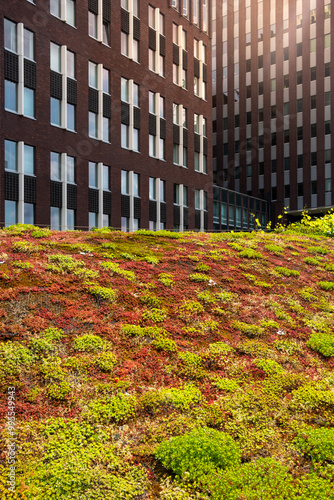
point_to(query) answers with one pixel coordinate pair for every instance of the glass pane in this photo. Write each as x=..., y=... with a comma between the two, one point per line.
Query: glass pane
x=135, y=51
x=10, y=35
x=135, y=94
x=70, y=117
x=152, y=192
x=29, y=213
x=11, y=155
x=55, y=7
x=29, y=159
x=70, y=64
x=106, y=220
x=28, y=49
x=185, y=196
x=162, y=190
x=55, y=111
x=197, y=199
x=92, y=220
x=92, y=24
x=124, y=136
x=162, y=149
x=92, y=174
x=10, y=96
x=10, y=213
x=105, y=34
x=124, y=90
x=71, y=169
x=125, y=182
x=176, y=194
x=55, y=57
x=136, y=185
x=135, y=8
x=124, y=44
x=55, y=219
x=106, y=81
x=135, y=139
x=92, y=124
x=151, y=102
x=55, y=166
x=125, y=4
x=106, y=127
x=162, y=107
x=125, y=224
x=151, y=17
x=92, y=74
x=106, y=185
x=70, y=12
x=70, y=219
x=29, y=102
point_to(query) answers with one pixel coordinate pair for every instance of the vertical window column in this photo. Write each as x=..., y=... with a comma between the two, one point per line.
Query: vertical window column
x=99, y=16
x=63, y=196
x=157, y=41
x=180, y=56
x=180, y=135
x=130, y=201
x=201, y=215
x=157, y=204
x=130, y=115
x=130, y=29
x=180, y=207
x=63, y=87
x=99, y=195
x=157, y=126
x=99, y=102
x=200, y=144
x=200, y=69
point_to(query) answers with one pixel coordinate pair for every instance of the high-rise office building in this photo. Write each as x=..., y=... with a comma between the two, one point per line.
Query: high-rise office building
x=105, y=115
x=272, y=106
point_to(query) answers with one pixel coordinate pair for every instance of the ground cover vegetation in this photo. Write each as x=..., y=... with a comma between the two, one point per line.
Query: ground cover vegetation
x=169, y=366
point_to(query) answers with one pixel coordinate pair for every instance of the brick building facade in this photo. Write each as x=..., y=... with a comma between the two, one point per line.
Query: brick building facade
x=106, y=114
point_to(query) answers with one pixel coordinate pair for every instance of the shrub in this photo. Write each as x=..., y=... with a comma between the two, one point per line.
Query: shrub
x=313, y=396
x=115, y=269
x=248, y=329
x=326, y=285
x=199, y=278
x=311, y=261
x=164, y=344
x=89, y=343
x=225, y=384
x=322, y=342
x=317, y=443
x=22, y=265
x=249, y=253
x=191, y=307
x=203, y=268
x=321, y=250
x=41, y=233
x=276, y=249
x=198, y=453
x=103, y=293
x=190, y=359
x=13, y=357
x=105, y=361
x=150, y=300
x=306, y=294
x=220, y=349
x=182, y=399
x=153, y=332
x=166, y=279
x=58, y=391
x=284, y=271
x=117, y=408
x=64, y=264
x=26, y=247
x=269, y=366
x=155, y=315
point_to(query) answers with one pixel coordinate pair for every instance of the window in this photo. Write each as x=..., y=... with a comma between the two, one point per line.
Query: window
x=70, y=170
x=11, y=96
x=314, y=159
x=106, y=178
x=287, y=191
x=328, y=156
x=55, y=58
x=328, y=185
x=327, y=69
x=327, y=98
x=286, y=53
x=29, y=160
x=260, y=92
x=327, y=42
x=299, y=133
x=124, y=44
x=314, y=187
x=273, y=166
x=299, y=105
x=28, y=44
x=55, y=112
x=29, y=213
x=287, y=163
x=313, y=130
x=286, y=136
x=272, y=57
x=93, y=175
x=300, y=161
x=273, y=85
x=286, y=108
x=11, y=155
x=327, y=127
x=299, y=49
x=299, y=77
x=313, y=45
x=55, y=164
x=92, y=24
x=300, y=189
x=313, y=73
x=68, y=15
x=10, y=35
x=299, y=21
x=313, y=16
x=260, y=62
x=125, y=182
x=55, y=7
x=327, y=11
x=10, y=213
x=313, y=102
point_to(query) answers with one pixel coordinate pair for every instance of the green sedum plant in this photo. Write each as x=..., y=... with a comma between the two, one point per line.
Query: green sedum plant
x=89, y=343
x=317, y=443
x=322, y=343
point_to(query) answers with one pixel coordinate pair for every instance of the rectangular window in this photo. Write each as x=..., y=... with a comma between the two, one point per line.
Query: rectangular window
x=71, y=170
x=11, y=155
x=29, y=102
x=92, y=24
x=29, y=160
x=55, y=58
x=55, y=164
x=70, y=12
x=70, y=64
x=70, y=117
x=124, y=136
x=92, y=75
x=106, y=177
x=136, y=185
x=176, y=154
x=10, y=213
x=125, y=90
x=92, y=220
x=10, y=96
x=125, y=182
x=93, y=175
x=10, y=35
x=55, y=8
x=124, y=44
x=29, y=213
x=313, y=45
x=152, y=189
x=28, y=44
x=55, y=112
x=152, y=149
x=92, y=117
x=70, y=216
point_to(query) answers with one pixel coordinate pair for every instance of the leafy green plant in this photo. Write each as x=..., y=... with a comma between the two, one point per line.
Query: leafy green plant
x=58, y=391
x=202, y=268
x=249, y=253
x=287, y=346
x=22, y=265
x=89, y=343
x=103, y=293
x=322, y=342
x=166, y=279
x=183, y=398
x=118, y=408
x=225, y=384
x=26, y=247
x=155, y=315
x=150, y=300
x=248, y=329
x=14, y=357
x=41, y=233
x=276, y=249
x=63, y=264
x=164, y=344
x=199, y=278
x=311, y=261
x=114, y=268
x=269, y=366
x=284, y=271
x=317, y=443
x=326, y=285
x=105, y=361
x=198, y=453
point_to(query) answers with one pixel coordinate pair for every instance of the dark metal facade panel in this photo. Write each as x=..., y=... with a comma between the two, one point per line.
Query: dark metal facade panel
x=152, y=39
x=197, y=143
x=125, y=115
x=162, y=128
x=136, y=28
x=176, y=134
x=185, y=137
x=162, y=45
x=72, y=196
x=196, y=67
x=107, y=202
x=93, y=6
x=56, y=194
x=93, y=100
x=163, y=212
x=11, y=67
x=177, y=217
x=93, y=200
x=136, y=117
x=176, y=54
x=137, y=208
x=153, y=211
x=205, y=145
x=106, y=10
x=106, y=106
x=56, y=85
x=184, y=59
x=125, y=206
x=11, y=186
x=197, y=219
x=185, y=217
x=205, y=73
x=29, y=74
x=152, y=124
x=72, y=91
x=125, y=21
x=29, y=189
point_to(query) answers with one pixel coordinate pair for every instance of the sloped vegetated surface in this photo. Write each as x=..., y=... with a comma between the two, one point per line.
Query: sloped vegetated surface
x=167, y=366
